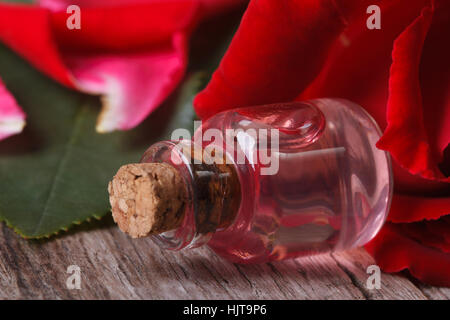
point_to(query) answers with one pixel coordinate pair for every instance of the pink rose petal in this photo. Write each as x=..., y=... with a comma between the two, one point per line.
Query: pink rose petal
x=132, y=85
x=12, y=118
x=131, y=52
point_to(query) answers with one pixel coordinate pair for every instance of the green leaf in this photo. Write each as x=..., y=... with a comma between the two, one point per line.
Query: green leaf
x=56, y=172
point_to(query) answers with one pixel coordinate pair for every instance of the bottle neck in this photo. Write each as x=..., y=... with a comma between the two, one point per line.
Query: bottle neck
x=213, y=193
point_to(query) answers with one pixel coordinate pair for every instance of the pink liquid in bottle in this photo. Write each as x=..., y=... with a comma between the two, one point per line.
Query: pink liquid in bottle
x=312, y=180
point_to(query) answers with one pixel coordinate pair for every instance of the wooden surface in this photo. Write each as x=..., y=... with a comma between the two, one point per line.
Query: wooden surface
x=115, y=267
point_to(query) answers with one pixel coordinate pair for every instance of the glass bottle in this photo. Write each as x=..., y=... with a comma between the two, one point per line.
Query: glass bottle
x=296, y=179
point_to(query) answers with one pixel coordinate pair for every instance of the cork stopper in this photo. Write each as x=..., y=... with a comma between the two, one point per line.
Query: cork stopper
x=147, y=198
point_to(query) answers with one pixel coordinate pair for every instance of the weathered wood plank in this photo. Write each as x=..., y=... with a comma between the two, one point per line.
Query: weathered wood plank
x=116, y=267
x=355, y=263
x=434, y=293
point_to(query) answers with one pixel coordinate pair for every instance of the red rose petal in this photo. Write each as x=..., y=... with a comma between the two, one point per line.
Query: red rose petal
x=133, y=84
x=435, y=81
x=365, y=79
x=405, y=136
x=357, y=66
x=435, y=233
x=415, y=208
x=27, y=31
x=277, y=51
x=125, y=28
x=394, y=251
x=134, y=56
x=12, y=118
x=210, y=7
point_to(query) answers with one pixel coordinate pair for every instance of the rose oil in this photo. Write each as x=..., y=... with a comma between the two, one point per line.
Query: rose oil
x=279, y=181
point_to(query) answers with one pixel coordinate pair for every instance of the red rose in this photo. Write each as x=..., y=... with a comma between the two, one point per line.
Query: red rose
x=132, y=52
x=288, y=50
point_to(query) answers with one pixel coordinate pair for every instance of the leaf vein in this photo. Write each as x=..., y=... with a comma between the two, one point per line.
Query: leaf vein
x=62, y=162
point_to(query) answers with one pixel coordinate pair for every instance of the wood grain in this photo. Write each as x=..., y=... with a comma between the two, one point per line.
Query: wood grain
x=115, y=267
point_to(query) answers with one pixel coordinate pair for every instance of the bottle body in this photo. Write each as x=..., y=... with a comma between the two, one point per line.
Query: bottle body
x=310, y=178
